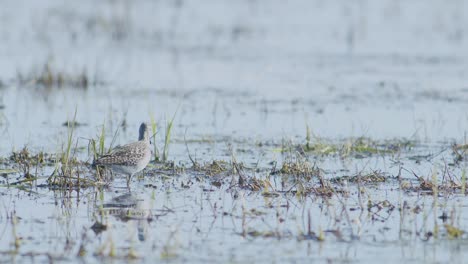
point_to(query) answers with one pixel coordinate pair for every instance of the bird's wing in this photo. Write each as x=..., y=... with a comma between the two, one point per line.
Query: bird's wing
x=123, y=155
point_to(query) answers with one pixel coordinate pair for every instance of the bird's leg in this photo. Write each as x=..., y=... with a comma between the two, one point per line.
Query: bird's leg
x=111, y=174
x=129, y=177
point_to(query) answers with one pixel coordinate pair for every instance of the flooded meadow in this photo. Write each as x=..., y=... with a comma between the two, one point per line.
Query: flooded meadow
x=282, y=132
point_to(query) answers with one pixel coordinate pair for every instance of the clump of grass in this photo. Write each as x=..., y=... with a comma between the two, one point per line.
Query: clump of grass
x=49, y=77
x=375, y=176
x=98, y=149
x=154, y=130
x=357, y=147
x=215, y=167
x=459, y=151
x=320, y=147
x=268, y=234
x=268, y=190
x=243, y=181
x=98, y=146
x=67, y=167
x=167, y=138
x=298, y=167
x=66, y=157
x=24, y=162
x=431, y=185
x=453, y=232
x=360, y=145
x=299, y=173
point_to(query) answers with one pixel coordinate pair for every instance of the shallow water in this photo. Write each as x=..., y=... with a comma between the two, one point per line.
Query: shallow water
x=242, y=78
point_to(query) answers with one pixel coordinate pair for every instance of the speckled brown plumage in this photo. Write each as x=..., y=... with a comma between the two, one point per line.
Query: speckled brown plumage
x=130, y=158
x=128, y=155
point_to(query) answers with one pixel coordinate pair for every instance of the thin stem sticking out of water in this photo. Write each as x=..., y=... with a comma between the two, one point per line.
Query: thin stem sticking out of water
x=167, y=138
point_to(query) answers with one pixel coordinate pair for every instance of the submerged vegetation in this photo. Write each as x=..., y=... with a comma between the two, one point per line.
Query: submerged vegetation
x=50, y=77
x=355, y=147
